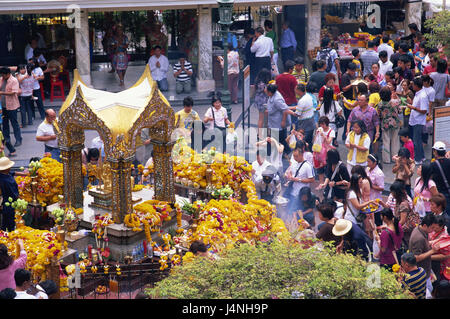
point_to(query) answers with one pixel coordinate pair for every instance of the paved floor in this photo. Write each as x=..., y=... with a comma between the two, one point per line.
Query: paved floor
x=101, y=79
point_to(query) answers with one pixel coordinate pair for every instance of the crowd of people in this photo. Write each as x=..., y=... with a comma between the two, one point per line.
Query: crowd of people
x=383, y=102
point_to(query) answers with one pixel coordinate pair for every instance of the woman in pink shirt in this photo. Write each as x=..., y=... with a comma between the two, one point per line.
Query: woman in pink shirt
x=390, y=239
x=8, y=265
x=424, y=187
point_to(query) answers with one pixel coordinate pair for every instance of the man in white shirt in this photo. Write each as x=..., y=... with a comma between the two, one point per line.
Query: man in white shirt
x=159, y=65
x=262, y=46
x=22, y=277
x=305, y=110
x=30, y=48
x=258, y=167
x=418, y=118
x=45, y=133
x=299, y=174
x=386, y=47
x=384, y=63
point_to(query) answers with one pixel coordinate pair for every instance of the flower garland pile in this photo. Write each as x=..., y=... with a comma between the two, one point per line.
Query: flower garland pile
x=190, y=169
x=50, y=182
x=41, y=246
x=151, y=214
x=224, y=222
x=100, y=223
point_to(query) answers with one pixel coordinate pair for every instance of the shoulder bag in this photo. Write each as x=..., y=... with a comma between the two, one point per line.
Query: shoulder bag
x=443, y=175
x=360, y=218
x=327, y=192
x=339, y=120
x=290, y=184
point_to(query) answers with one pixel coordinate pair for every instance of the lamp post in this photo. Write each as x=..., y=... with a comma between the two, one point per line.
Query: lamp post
x=226, y=15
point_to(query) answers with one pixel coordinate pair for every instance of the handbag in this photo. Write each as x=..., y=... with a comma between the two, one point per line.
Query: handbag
x=327, y=191
x=360, y=218
x=320, y=157
x=290, y=184
x=339, y=120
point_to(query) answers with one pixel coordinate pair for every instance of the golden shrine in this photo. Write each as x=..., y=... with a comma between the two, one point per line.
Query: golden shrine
x=119, y=119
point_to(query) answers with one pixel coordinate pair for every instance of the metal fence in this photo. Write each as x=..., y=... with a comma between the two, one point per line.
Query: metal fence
x=132, y=279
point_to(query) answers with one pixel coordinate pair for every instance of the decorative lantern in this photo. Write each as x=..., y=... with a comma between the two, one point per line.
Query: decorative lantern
x=225, y=11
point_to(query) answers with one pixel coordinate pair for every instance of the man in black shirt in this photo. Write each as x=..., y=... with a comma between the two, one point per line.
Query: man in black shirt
x=318, y=77
x=347, y=89
x=410, y=38
x=404, y=51
x=442, y=179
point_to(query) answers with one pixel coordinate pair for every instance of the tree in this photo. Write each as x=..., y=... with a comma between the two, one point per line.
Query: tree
x=277, y=270
x=439, y=34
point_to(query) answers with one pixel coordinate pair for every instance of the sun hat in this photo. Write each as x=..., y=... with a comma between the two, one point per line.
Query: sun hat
x=5, y=163
x=439, y=146
x=342, y=227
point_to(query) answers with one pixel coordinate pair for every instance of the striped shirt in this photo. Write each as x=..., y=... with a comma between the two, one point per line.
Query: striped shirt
x=183, y=76
x=368, y=58
x=416, y=282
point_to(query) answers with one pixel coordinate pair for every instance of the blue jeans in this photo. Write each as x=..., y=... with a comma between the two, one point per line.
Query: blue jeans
x=163, y=85
x=11, y=116
x=26, y=109
x=55, y=152
x=40, y=105
x=8, y=221
x=419, y=154
x=309, y=218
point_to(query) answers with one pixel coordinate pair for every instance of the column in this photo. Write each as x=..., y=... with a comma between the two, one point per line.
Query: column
x=314, y=25
x=121, y=188
x=82, y=52
x=162, y=161
x=413, y=14
x=73, y=176
x=205, y=81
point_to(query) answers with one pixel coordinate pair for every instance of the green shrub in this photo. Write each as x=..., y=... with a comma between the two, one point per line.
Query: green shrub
x=277, y=270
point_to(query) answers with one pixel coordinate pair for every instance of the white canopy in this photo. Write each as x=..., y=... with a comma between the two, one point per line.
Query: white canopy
x=435, y=5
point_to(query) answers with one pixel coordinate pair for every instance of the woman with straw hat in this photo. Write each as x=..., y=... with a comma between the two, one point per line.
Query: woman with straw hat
x=8, y=188
x=354, y=239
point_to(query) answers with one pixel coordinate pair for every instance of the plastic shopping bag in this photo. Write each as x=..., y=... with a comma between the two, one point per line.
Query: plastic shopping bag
x=292, y=141
x=419, y=207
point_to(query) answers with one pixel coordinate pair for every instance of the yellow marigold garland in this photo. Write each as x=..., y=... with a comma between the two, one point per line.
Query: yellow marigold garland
x=41, y=246
x=50, y=182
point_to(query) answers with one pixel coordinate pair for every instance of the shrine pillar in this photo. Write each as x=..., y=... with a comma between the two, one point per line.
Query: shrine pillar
x=413, y=14
x=205, y=81
x=163, y=167
x=314, y=24
x=82, y=53
x=72, y=174
x=121, y=188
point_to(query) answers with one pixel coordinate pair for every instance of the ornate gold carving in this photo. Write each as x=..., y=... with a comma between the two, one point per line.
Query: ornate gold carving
x=76, y=115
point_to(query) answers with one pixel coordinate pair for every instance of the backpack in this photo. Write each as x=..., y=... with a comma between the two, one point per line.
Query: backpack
x=326, y=56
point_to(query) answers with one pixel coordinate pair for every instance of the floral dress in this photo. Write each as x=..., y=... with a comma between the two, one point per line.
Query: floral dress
x=260, y=96
x=389, y=115
x=120, y=59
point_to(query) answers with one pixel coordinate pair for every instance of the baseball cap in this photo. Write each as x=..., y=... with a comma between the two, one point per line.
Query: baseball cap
x=439, y=146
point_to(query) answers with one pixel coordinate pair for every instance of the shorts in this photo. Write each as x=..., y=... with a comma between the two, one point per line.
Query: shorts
x=320, y=170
